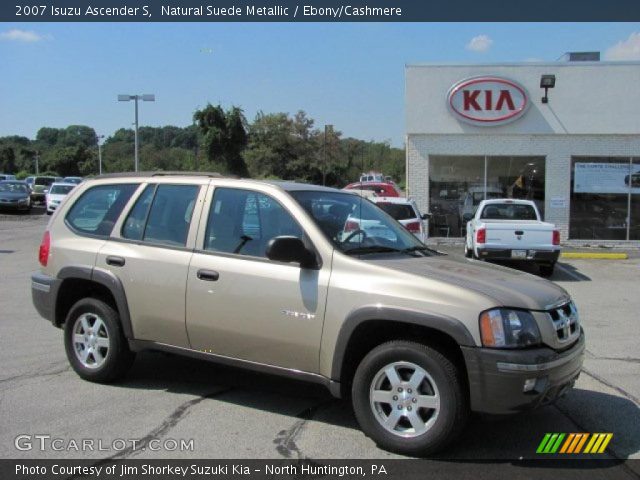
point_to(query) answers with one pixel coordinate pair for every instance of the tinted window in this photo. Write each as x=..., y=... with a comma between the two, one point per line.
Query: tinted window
x=97, y=209
x=170, y=214
x=506, y=211
x=243, y=222
x=134, y=224
x=399, y=211
x=44, y=181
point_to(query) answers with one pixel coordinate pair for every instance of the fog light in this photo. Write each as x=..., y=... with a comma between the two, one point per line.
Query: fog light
x=529, y=384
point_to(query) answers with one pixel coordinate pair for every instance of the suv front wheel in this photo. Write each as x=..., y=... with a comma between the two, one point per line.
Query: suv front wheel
x=409, y=398
x=94, y=342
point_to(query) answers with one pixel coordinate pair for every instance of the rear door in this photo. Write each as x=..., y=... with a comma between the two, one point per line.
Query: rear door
x=150, y=252
x=242, y=305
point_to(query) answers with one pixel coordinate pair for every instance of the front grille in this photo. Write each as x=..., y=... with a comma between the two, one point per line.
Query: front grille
x=565, y=321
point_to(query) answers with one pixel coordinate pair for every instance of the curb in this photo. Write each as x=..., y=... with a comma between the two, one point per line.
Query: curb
x=601, y=256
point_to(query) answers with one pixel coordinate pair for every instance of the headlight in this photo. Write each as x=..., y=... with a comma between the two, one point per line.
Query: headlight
x=505, y=328
x=23, y=200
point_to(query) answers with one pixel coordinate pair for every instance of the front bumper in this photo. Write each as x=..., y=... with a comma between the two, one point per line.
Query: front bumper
x=497, y=377
x=14, y=205
x=44, y=292
x=533, y=255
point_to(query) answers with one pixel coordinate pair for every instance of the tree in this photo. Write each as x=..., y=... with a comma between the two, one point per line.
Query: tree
x=224, y=137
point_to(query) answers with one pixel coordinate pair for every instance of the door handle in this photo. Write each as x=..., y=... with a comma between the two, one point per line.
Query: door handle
x=115, y=261
x=519, y=232
x=208, y=275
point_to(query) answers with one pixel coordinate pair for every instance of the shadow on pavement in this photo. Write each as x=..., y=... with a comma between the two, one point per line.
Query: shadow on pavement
x=487, y=438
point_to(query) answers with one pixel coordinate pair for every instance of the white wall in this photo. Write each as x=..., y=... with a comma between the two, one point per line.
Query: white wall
x=589, y=98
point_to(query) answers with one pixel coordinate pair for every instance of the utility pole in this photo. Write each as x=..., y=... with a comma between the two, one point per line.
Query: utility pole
x=324, y=154
x=37, y=159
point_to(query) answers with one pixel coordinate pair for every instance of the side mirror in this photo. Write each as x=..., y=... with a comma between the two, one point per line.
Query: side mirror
x=289, y=249
x=425, y=216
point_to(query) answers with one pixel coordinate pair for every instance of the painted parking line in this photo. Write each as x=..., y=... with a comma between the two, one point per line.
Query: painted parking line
x=596, y=255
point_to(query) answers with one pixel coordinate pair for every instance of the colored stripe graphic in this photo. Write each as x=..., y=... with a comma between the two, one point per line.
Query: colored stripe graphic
x=572, y=443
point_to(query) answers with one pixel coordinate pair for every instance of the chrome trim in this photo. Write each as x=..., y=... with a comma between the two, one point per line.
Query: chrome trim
x=40, y=286
x=538, y=367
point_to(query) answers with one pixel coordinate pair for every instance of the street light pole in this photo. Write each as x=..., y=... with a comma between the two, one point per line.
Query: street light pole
x=147, y=97
x=37, y=158
x=324, y=155
x=100, y=154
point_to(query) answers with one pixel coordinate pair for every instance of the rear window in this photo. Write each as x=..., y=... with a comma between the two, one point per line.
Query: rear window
x=98, y=209
x=508, y=211
x=399, y=211
x=44, y=180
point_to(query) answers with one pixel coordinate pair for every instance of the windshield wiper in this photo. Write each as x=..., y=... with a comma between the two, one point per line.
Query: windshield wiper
x=372, y=249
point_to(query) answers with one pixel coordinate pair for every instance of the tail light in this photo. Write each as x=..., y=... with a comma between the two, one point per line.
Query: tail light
x=481, y=235
x=351, y=226
x=45, y=248
x=556, y=237
x=413, y=227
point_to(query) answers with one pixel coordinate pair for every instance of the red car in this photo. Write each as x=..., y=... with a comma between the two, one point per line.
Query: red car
x=381, y=189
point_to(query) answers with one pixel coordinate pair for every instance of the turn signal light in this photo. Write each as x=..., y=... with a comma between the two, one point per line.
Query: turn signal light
x=556, y=237
x=481, y=236
x=45, y=248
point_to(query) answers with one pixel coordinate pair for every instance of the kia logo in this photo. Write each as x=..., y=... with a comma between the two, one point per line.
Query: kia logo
x=487, y=101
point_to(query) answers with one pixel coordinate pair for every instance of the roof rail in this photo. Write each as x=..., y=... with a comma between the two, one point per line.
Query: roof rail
x=165, y=174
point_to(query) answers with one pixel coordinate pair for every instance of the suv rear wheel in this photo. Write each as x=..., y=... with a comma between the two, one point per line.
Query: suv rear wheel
x=409, y=398
x=94, y=342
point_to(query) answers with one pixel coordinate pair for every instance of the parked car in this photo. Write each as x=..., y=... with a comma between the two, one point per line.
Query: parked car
x=415, y=339
x=56, y=194
x=40, y=188
x=405, y=211
x=6, y=176
x=14, y=195
x=507, y=229
x=368, y=194
x=74, y=180
x=381, y=189
x=372, y=177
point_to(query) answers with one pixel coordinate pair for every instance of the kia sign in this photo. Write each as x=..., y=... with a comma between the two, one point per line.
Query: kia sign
x=487, y=101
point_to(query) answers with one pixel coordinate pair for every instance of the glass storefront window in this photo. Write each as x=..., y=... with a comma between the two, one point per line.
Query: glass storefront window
x=634, y=179
x=457, y=184
x=600, y=197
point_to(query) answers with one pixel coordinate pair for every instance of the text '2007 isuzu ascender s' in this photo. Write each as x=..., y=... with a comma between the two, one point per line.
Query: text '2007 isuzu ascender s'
x=267, y=276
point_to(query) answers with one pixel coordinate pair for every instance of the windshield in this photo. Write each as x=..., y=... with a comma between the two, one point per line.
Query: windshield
x=13, y=187
x=508, y=211
x=399, y=211
x=355, y=225
x=44, y=181
x=60, y=189
x=75, y=180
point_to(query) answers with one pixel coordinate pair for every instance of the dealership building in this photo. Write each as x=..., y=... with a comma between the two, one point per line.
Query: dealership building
x=564, y=134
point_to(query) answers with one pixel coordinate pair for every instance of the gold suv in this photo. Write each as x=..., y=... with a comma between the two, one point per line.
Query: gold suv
x=307, y=282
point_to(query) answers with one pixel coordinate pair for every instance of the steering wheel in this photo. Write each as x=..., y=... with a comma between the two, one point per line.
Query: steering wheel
x=353, y=234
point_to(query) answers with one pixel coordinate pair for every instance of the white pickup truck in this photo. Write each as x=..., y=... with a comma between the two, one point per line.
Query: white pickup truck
x=508, y=229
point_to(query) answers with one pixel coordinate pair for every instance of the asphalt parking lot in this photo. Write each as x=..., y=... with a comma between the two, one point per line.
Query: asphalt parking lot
x=235, y=414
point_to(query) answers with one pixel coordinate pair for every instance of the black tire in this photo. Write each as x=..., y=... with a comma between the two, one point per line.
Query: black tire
x=467, y=251
x=546, y=270
x=453, y=412
x=118, y=358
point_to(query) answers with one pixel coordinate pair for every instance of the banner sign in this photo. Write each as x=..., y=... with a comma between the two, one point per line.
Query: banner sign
x=606, y=178
x=318, y=11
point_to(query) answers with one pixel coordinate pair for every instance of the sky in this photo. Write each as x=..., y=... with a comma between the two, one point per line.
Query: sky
x=345, y=74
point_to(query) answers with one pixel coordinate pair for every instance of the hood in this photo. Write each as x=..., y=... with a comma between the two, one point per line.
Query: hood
x=508, y=287
x=56, y=196
x=40, y=188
